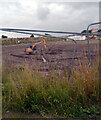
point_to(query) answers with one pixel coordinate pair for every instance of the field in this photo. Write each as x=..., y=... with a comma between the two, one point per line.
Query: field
x=58, y=54
x=51, y=94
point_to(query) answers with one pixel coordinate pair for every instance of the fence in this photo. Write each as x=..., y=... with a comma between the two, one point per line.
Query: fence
x=45, y=35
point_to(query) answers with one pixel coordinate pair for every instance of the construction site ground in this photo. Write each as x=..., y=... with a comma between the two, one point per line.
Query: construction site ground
x=58, y=54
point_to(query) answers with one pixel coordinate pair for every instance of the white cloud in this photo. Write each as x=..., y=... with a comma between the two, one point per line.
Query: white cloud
x=42, y=11
x=35, y=14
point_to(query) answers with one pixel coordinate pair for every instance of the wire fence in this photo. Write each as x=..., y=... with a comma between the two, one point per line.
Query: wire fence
x=47, y=34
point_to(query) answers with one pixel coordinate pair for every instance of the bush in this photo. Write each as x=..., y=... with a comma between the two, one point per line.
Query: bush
x=32, y=35
x=3, y=36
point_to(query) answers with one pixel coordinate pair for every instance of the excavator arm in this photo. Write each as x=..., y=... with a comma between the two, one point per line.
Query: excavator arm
x=39, y=43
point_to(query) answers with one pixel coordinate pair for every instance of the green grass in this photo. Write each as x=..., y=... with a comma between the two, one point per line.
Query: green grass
x=13, y=41
x=29, y=91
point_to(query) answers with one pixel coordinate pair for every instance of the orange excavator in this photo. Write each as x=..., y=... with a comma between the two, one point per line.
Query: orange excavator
x=32, y=49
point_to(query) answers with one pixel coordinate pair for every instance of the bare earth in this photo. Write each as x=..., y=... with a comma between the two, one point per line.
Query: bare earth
x=58, y=54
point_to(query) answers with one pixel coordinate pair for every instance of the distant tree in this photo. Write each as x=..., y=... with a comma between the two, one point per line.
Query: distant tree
x=3, y=36
x=32, y=35
x=84, y=31
x=99, y=30
x=47, y=34
x=90, y=31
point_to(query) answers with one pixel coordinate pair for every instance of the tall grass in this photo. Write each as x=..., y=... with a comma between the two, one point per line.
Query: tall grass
x=29, y=91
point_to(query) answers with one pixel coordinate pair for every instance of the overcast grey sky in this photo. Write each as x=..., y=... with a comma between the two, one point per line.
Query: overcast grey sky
x=46, y=15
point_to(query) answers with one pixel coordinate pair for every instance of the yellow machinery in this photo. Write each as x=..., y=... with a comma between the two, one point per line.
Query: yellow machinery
x=92, y=36
x=32, y=49
x=93, y=31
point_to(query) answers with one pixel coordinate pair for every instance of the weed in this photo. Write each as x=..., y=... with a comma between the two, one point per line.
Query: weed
x=29, y=91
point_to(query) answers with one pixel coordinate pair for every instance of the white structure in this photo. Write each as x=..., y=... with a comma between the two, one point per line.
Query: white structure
x=78, y=37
